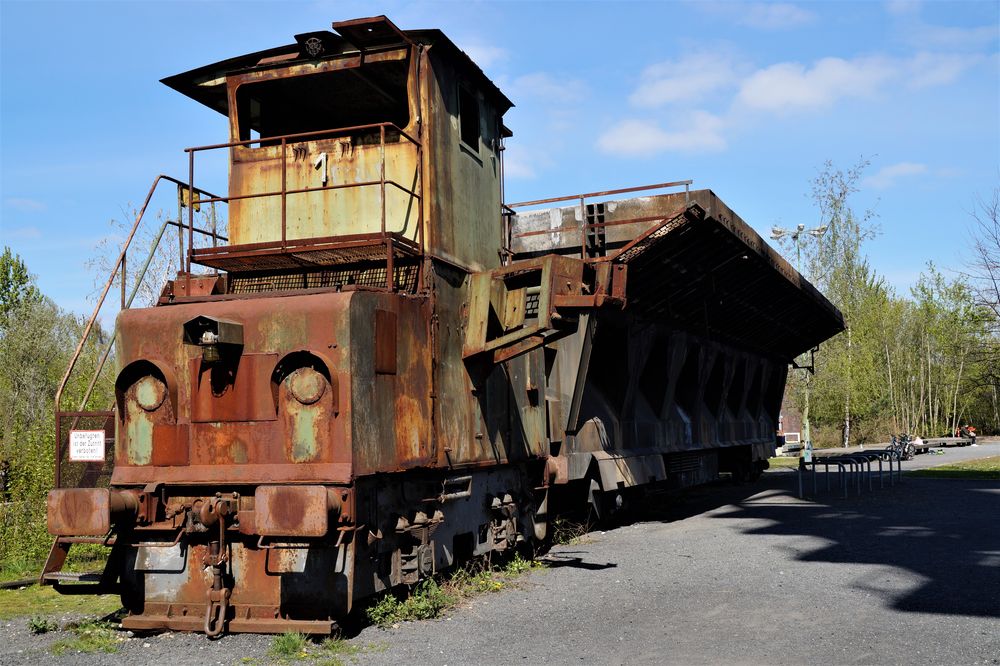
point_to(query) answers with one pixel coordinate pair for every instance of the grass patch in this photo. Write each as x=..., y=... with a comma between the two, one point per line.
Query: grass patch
x=427, y=600
x=782, y=462
x=332, y=651
x=289, y=645
x=37, y=600
x=982, y=469
x=431, y=598
x=89, y=636
x=293, y=646
x=19, y=568
x=82, y=557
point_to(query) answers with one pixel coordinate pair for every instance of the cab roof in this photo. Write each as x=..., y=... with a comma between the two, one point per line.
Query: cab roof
x=207, y=84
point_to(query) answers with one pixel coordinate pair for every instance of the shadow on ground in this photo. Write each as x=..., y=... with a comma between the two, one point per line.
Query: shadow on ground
x=945, y=530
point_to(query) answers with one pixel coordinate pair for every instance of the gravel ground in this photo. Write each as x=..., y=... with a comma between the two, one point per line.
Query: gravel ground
x=734, y=575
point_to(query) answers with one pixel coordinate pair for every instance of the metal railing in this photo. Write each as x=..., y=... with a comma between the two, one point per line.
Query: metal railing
x=586, y=227
x=120, y=269
x=383, y=182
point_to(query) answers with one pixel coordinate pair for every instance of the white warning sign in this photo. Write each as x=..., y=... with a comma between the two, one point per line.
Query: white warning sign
x=86, y=445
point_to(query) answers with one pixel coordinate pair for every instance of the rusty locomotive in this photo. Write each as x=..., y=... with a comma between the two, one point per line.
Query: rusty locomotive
x=386, y=370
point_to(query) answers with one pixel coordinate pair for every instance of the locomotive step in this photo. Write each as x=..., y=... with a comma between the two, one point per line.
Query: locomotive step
x=72, y=576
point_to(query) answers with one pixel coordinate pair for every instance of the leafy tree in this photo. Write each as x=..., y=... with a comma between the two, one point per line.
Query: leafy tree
x=35, y=345
x=835, y=262
x=17, y=287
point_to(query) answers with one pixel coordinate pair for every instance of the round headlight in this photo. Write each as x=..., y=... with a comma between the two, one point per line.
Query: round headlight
x=306, y=385
x=150, y=393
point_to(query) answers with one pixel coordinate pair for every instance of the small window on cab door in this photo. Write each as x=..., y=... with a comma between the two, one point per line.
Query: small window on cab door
x=468, y=118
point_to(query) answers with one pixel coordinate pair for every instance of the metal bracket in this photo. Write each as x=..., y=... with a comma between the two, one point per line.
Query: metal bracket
x=812, y=362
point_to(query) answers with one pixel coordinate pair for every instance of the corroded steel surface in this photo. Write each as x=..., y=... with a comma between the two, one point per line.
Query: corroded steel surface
x=389, y=379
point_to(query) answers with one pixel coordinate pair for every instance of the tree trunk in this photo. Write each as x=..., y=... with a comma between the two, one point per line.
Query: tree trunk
x=958, y=384
x=847, y=401
x=892, y=396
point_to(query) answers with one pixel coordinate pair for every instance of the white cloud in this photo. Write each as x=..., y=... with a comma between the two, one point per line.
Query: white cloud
x=886, y=177
x=935, y=69
x=791, y=85
x=544, y=86
x=484, y=55
x=25, y=205
x=774, y=15
x=952, y=37
x=914, y=30
x=762, y=15
x=688, y=79
x=903, y=7
x=22, y=233
x=703, y=132
x=518, y=164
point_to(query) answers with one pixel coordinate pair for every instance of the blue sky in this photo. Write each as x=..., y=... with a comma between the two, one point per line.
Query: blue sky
x=748, y=99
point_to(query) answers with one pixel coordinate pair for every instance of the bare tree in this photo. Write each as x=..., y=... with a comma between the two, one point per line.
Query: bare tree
x=985, y=269
x=984, y=275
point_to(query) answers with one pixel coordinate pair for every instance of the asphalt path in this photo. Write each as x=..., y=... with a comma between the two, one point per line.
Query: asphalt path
x=908, y=574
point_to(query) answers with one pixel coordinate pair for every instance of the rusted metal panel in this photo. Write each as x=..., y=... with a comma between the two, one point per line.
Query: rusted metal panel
x=79, y=511
x=228, y=474
x=692, y=261
x=170, y=445
x=314, y=211
x=390, y=413
x=291, y=511
x=385, y=342
x=227, y=428
x=371, y=32
x=238, y=391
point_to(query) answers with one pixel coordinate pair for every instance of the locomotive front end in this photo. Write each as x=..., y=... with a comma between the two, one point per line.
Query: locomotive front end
x=232, y=483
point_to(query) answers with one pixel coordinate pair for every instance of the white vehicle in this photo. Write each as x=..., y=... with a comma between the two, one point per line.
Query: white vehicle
x=792, y=444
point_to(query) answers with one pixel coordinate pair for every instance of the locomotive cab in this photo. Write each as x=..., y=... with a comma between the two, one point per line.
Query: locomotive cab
x=369, y=133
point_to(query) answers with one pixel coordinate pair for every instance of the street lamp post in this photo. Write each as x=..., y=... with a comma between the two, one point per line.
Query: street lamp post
x=777, y=233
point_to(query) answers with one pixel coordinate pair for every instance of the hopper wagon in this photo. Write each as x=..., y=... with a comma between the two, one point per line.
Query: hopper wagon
x=381, y=369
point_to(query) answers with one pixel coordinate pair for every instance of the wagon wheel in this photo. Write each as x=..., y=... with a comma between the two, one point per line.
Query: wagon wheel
x=603, y=504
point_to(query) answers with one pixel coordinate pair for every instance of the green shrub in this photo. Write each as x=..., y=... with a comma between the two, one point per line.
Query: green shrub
x=427, y=600
x=39, y=624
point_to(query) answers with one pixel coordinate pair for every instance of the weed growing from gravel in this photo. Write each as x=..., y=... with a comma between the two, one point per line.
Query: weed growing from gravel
x=332, y=650
x=289, y=645
x=566, y=532
x=89, y=636
x=518, y=565
x=39, y=624
x=292, y=646
x=430, y=598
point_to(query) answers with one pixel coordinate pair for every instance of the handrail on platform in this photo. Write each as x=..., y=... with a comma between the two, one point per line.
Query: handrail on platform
x=126, y=301
x=283, y=140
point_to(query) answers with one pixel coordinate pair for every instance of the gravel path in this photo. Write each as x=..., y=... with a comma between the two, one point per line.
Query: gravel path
x=735, y=575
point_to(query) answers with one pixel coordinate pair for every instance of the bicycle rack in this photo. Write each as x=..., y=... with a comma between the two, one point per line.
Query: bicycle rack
x=853, y=470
